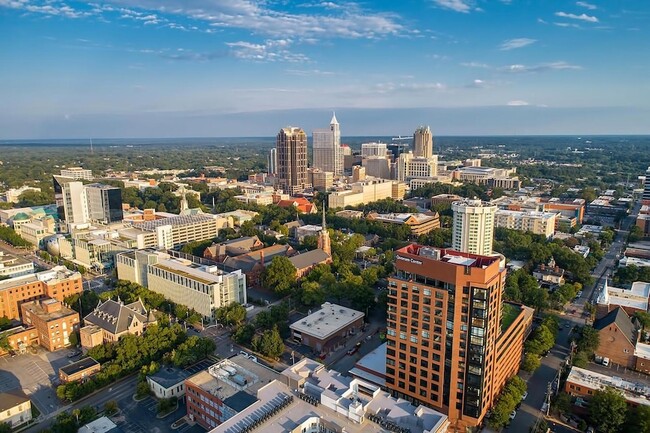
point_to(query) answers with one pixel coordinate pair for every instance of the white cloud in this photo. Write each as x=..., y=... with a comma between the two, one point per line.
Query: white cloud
x=476, y=84
x=517, y=103
x=269, y=51
x=308, y=72
x=581, y=17
x=475, y=65
x=574, y=25
x=511, y=44
x=542, y=67
x=587, y=5
x=408, y=87
x=463, y=6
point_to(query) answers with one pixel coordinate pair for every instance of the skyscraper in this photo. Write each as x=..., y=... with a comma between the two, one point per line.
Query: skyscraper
x=327, y=152
x=446, y=347
x=272, y=161
x=291, y=146
x=104, y=203
x=423, y=142
x=473, y=226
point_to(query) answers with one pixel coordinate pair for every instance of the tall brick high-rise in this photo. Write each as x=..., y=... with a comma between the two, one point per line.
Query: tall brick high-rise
x=291, y=145
x=447, y=345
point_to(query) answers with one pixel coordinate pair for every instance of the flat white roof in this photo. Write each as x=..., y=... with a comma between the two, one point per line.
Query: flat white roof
x=459, y=260
x=634, y=392
x=635, y=297
x=100, y=425
x=642, y=350
x=326, y=321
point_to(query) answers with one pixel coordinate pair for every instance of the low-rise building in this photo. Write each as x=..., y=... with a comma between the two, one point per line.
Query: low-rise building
x=168, y=382
x=372, y=367
x=253, y=263
x=112, y=319
x=79, y=370
x=584, y=383
x=305, y=262
x=54, y=322
x=351, y=214
x=617, y=338
x=327, y=328
x=100, y=425
x=228, y=387
x=309, y=398
x=549, y=275
x=56, y=283
x=19, y=338
x=36, y=231
x=301, y=232
x=419, y=223
x=631, y=300
x=12, y=265
x=299, y=204
x=231, y=248
x=445, y=199
x=15, y=409
x=367, y=191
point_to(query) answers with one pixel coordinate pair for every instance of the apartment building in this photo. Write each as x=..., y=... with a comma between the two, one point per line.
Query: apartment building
x=56, y=283
x=539, y=223
x=54, y=322
x=447, y=347
x=473, y=226
x=175, y=230
x=291, y=146
x=77, y=173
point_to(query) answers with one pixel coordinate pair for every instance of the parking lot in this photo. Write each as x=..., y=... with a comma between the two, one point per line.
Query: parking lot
x=35, y=375
x=141, y=416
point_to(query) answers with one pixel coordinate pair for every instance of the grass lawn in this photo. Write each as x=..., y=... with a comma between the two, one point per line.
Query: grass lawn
x=510, y=313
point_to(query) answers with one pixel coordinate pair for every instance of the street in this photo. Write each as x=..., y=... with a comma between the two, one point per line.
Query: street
x=530, y=410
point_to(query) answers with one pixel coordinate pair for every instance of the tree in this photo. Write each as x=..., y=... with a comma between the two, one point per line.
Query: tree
x=232, y=314
x=580, y=360
x=269, y=344
x=588, y=340
x=5, y=427
x=311, y=293
x=607, y=410
x=643, y=318
x=531, y=362
x=279, y=275
x=111, y=407
x=142, y=389
x=638, y=419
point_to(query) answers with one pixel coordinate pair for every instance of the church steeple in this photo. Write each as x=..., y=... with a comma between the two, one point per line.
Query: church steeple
x=324, y=242
x=334, y=121
x=184, y=204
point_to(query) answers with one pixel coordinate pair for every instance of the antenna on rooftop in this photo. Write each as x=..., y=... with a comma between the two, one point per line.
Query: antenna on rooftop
x=91, y=146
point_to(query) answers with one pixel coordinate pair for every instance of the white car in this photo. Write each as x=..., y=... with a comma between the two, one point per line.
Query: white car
x=523, y=397
x=513, y=415
x=244, y=354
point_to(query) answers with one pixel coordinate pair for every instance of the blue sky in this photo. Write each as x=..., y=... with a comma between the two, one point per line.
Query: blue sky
x=146, y=68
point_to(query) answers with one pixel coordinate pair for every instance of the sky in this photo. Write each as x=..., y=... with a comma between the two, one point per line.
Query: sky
x=190, y=68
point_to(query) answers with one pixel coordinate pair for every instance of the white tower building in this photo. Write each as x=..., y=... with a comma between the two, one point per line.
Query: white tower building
x=473, y=228
x=328, y=155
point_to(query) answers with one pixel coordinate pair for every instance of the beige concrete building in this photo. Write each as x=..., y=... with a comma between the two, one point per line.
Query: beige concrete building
x=367, y=191
x=420, y=223
x=203, y=288
x=539, y=223
x=320, y=180
x=12, y=265
x=423, y=142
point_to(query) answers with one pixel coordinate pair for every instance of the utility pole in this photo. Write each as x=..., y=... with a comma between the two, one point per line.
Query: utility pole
x=548, y=398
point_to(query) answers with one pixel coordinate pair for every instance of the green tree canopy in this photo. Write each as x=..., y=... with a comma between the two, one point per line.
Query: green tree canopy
x=279, y=275
x=607, y=410
x=269, y=343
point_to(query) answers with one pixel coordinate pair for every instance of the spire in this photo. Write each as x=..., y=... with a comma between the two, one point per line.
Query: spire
x=334, y=121
x=324, y=225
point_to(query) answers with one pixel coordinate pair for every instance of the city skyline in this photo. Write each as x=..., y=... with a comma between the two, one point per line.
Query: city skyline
x=136, y=68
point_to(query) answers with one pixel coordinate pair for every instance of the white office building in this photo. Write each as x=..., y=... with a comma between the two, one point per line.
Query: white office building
x=373, y=149
x=326, y=146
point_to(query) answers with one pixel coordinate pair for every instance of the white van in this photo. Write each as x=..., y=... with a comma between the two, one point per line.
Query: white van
x=606, y=362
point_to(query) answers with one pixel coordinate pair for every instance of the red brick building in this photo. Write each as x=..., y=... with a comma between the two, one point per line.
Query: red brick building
x=617, y=338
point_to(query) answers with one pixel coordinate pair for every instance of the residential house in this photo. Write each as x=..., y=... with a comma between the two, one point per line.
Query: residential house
x=15, y=409
x=112, y=319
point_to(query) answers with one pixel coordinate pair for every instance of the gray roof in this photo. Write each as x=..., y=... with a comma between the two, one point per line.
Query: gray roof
x=619, y=318
x=9, y=400
x=240, y=401
x=309, y=258
x=116, y=317
x=246, y=262
x=78, y=366
x=169, y=376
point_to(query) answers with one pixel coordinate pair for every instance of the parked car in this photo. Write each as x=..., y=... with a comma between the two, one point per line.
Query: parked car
x=513, y=414
x=244, y=354
x=353, y=350
x=73, y=353
x=523, y=397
